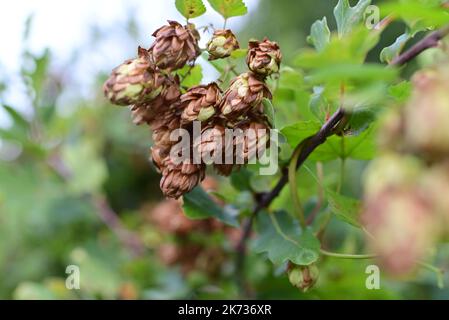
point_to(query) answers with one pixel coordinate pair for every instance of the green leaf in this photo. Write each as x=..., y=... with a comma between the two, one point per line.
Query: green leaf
x=199, y=205
x=353, y=72
x=240, y=180
x=356, y=146
x=191, y=76
x=419, y=15
x=347, y=17
x=239, y=53
x=36, y=77
x=344, y=208
x=297, y=132
x=229, y=8
x=361, y=119
x=401, y=91
x=291, y=79
x=268, y=110
x=351, y=49
x=84, y=179
x=319, y=34
x=281, y=238
x=391, y=52
x=17, y=118
x=190, y=8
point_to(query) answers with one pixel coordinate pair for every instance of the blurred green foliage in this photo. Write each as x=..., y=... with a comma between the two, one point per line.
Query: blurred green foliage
x=77, y=187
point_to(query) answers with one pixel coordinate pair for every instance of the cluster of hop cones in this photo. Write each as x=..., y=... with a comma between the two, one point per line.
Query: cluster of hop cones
x=151, y=86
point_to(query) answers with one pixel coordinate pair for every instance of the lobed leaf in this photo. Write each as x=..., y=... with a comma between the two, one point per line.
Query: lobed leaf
x=229, y=8
x=190, y=8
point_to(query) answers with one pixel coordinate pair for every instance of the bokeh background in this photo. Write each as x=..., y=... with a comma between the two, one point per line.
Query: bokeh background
x=76, y=185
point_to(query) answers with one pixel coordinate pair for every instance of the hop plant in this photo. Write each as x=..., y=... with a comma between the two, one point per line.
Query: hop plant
x=264, y=57
x=222, y=44
x=175, y=46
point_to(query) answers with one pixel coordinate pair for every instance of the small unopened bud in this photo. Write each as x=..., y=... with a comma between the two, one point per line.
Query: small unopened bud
x=303, y=277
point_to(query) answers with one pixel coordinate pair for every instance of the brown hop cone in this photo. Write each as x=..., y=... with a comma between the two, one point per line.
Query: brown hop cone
x=133, y=81
x=158, y=155
x=162, y=101
x=164, y=125
x=427, y=115
x=245, y=93
x=251, y=140
x=175, y=45
x=212, y=146
x=199, y=102
x=264, y=57
x=222, y=44
x=178, y=179
x=225, y=170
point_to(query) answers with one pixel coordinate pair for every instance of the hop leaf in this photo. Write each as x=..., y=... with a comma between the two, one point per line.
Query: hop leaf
x=319, y=34
x=190, y=8
x=347, y=17
x=229, y=8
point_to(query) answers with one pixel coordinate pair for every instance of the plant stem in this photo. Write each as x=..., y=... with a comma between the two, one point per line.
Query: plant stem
x=347, y=256
x=294, y=186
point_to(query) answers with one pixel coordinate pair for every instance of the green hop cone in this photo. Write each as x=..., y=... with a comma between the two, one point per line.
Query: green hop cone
x=222, y=44
x=303, y=277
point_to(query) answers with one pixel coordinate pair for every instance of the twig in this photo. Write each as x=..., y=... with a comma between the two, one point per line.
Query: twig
x=111, y=219
x=347, y=256
x=431, y=41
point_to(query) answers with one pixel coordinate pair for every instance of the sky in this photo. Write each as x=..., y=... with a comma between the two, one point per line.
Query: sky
x=69, y=26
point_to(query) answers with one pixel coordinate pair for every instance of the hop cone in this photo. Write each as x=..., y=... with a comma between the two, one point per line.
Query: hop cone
x=162, y=99
x=253, y=141
x=245, y=93
x=435, y=183
x=403, y=228
x=133, y=81
x=199, y=102
x=264, y=57
x=212, y=145
x=427, y=114
x=222, y=44
x=178, y=179
x=174, y=46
